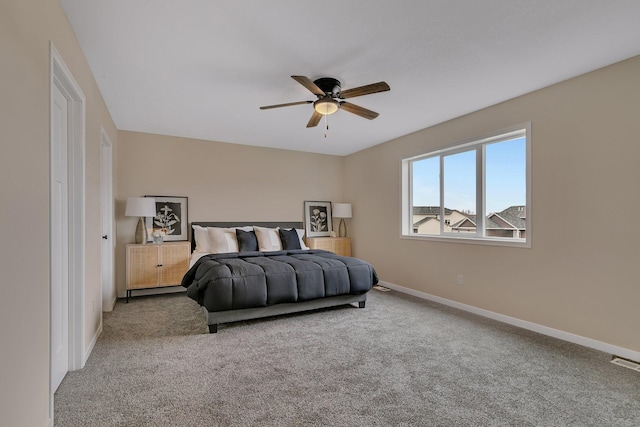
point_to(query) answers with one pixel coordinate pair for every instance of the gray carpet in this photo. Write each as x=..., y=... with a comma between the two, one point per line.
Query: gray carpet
x=400, y=361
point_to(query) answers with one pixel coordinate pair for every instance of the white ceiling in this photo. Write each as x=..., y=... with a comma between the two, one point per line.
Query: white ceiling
x=202, y=68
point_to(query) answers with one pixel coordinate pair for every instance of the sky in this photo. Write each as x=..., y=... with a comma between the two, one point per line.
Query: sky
x=505, y=178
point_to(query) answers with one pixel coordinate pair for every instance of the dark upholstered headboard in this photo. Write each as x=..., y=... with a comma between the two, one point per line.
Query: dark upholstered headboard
x=228, y=224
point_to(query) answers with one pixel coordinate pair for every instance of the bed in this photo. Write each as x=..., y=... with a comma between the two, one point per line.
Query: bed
x=234, y=280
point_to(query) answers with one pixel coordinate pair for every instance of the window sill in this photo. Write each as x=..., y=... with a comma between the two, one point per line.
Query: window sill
x=514, y=243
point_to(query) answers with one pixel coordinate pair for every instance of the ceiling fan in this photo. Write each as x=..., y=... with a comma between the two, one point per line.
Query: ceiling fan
x=331, y=98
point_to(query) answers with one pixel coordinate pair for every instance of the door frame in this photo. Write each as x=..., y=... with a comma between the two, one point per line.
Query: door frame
x=61, y=77
x=107, y=214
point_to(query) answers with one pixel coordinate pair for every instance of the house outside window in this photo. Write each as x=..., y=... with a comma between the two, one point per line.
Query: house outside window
x=476, y=191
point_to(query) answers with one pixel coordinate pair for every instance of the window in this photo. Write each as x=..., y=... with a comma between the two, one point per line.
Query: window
x=477, y=191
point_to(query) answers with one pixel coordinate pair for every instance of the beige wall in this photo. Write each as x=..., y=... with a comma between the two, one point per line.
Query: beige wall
x=26, y=27
x=224, y=182
x=576, y=277
x=579, y=278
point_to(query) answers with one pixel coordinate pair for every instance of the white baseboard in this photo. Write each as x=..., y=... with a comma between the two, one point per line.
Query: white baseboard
x=111, y=303
x=92, y=344
x=545, y=330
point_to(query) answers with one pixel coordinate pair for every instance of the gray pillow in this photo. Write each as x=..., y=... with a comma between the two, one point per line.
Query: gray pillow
x=289, y=239
x=247, y=241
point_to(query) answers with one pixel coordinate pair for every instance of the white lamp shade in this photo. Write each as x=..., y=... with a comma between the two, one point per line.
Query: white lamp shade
x=342, y=210
x=140, y=206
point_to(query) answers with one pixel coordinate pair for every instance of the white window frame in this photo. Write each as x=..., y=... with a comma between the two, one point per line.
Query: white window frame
x=479, y=144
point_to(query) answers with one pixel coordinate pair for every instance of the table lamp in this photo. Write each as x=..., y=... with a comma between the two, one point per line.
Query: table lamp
x=342, y=211
x=141, y=207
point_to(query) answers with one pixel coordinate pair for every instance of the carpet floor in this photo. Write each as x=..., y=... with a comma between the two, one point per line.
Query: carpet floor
x=401, y=361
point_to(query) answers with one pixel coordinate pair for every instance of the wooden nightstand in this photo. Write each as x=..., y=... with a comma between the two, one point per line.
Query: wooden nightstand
x=156, y=265
x=338, y=245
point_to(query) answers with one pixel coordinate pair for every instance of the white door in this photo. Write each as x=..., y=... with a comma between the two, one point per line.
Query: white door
x=59, y=241
x=108, y=288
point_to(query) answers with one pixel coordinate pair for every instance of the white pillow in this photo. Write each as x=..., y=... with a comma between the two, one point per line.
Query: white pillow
x=268, y=239
x=222, y=240
x=202, y=239
x=300, y=236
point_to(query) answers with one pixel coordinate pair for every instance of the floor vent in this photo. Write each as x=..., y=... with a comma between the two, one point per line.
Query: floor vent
x=381, y=288
x=626, y=363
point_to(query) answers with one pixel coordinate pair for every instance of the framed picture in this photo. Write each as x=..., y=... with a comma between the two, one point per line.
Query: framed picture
x=317, y=219
x=171, y=217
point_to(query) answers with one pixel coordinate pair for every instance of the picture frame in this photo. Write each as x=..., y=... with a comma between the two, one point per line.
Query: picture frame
x=318, y=221
x=172, y=216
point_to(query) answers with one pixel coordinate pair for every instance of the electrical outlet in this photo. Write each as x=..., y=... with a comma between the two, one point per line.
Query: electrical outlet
x=460, y=279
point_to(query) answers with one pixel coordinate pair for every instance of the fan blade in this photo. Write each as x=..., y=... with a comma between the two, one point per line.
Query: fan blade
x=311, y=86
x=266, y=107
x=314, y=120
x=364, y=90
x=360, y=111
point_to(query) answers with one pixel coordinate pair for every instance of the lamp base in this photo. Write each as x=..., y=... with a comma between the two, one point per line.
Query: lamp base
x=342, y=228
x=141, y=232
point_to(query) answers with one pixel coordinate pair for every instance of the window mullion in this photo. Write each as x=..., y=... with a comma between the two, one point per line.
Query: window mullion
x=480, y=191
x=409, y=214
x=441, y=194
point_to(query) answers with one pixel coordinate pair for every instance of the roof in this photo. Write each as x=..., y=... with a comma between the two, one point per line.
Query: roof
x=430, y=210
x=469, y=221
x=514, y=217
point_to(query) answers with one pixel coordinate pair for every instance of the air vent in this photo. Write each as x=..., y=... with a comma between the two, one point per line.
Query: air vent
x=381, y=288
x=626, y=363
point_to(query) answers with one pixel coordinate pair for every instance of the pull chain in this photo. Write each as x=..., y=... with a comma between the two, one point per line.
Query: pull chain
x=326, y=122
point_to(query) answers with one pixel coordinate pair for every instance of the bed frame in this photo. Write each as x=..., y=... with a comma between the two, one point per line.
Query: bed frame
x=217, y=317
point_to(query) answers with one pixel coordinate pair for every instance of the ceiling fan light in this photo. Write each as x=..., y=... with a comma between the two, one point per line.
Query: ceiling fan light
x=326, y=106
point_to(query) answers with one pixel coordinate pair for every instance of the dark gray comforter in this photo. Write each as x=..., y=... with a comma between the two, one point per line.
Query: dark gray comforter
x=242, y=280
